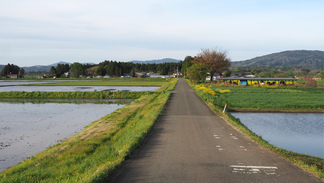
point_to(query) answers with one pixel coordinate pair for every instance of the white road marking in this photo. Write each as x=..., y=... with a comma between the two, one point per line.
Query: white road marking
x=269, y=170
x=255, y=167
x=233, y=137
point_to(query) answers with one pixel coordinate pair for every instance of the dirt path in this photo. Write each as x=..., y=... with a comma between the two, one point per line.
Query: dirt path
x=190, y=144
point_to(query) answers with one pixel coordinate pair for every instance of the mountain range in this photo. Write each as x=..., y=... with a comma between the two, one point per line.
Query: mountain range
x=160, y=61
x=295, y=58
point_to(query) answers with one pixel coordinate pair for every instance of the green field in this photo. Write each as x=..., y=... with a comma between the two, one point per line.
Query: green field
x=276, y=98
x=75, y=95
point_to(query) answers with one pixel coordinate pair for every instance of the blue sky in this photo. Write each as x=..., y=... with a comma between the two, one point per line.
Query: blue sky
x=42, y=32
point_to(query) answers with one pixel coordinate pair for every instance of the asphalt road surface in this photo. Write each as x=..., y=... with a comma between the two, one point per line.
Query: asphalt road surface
x=190, y=144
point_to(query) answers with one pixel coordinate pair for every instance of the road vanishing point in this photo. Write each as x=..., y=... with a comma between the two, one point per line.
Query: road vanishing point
x=189, y=143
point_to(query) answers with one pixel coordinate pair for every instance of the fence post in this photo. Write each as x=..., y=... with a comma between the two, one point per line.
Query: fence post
x=224, y=108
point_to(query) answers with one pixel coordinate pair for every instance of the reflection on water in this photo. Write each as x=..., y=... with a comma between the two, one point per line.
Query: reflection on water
x=297, y=132
x=28, y=128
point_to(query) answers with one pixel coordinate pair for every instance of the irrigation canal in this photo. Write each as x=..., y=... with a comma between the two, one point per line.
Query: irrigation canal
x=190, y=144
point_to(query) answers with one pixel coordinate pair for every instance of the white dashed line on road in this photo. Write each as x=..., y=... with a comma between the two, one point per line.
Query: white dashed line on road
x=269, y=170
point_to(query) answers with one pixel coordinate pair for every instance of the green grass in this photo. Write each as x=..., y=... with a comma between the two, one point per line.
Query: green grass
x=112, y=82
x=74, y=95
x=93, y=154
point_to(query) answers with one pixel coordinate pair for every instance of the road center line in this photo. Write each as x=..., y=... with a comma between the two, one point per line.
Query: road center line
x=254, y=167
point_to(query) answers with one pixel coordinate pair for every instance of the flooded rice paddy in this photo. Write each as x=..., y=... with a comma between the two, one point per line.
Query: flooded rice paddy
x=30, y=126
x=297, y=132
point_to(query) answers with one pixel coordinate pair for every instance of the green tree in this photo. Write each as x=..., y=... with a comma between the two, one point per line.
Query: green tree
x=197, y=73
x=52, y=71
x=186, y=64
x=22, y=72
x=61, y=69
x=76, y=69
x=216, y=61
x=322, y=74
x=9, y=69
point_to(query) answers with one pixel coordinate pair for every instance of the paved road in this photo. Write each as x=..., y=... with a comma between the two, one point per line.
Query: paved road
x=190, y=144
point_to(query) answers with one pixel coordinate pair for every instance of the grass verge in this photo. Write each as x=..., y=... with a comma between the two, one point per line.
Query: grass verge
x=308, y=163
x=74, y=95
x=92, y=155
x=111, y=82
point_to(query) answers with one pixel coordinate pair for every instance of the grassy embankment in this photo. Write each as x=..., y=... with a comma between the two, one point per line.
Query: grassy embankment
x=92, y=155
x=111, y=82
x=74, y=95
x=276, y=99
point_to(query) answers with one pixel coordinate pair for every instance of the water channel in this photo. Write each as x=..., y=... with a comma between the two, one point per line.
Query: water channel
x=297, y=132
x=30, y=126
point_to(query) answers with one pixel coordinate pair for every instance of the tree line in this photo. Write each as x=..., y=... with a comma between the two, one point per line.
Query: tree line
x=113, y=69
x=12, y=69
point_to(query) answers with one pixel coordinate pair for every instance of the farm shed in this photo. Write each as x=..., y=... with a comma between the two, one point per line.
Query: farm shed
x=257, y=81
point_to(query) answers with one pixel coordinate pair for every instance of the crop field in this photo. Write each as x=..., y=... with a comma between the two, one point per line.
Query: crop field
x=273, y=98
x=265, y=98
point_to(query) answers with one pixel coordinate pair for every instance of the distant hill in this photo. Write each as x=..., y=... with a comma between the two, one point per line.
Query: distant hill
x=298, y=58
x=42, y=68
x=160, y=61
x=46, y=68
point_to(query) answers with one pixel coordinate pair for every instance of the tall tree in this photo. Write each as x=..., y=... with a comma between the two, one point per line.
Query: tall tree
x=197, y=73
x=76, y=69
x=52, y=71
x=216, y=61
x=186, y=64
x=9, y=69
x=22, y=72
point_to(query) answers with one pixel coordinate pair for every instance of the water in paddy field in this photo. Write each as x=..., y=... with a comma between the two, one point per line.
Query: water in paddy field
x=28, y=128
x=297, y=132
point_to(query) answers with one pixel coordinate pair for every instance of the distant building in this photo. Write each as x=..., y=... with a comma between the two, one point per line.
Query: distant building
x=12, y=75
x=257, y=81
x=156, y=75
x=140, y=74
x=242, y=75
x=66, y=74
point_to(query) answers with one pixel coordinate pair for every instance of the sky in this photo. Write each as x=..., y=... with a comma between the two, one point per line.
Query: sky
x=43, y=32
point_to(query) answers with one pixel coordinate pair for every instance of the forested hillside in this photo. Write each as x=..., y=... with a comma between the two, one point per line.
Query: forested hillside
x=311, y=60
